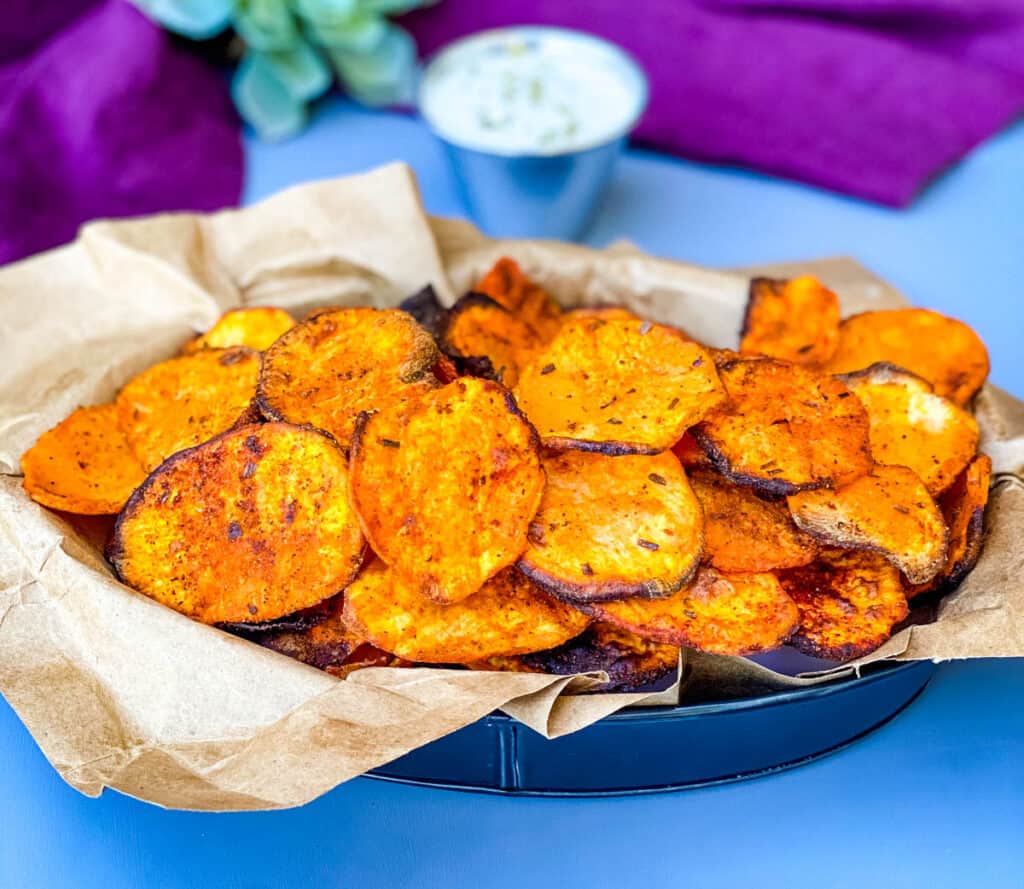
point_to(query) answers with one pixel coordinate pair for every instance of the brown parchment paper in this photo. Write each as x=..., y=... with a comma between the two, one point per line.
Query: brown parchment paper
x=121, y=692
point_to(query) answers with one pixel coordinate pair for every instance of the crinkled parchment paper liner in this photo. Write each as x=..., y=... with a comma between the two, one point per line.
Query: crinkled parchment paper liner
x=121, y=692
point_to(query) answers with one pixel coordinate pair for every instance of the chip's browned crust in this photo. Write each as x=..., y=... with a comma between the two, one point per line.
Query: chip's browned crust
x=182, y=402
x=426, y=308
x=888, y=511
x=610, y=527
x=617, y=387
x=507, y=615
x=785, y=429
x=340, y=362
x=689, y=453
x=720, y=613
x=946, y=352
x=913, y=427
x=849, y=603
x=796, y=320
x=250, y=526
x=255, y=327
x=446, y=486
x=83, y=465
x=506, y=284
x=744, y=532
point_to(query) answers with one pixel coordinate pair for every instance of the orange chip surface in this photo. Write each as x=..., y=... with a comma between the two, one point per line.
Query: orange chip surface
x=256, y=328
x=889, y=511
x=610, y=527
x=796, y=320
x=182, y=402
x=785, y=429
x=604, y=312
x=745, y=533
x=248, y=527
x=507, y=615
x=913, y=427
x=506, y=284
x=83, y=465
x=946, y=352
x=446, y=487
x=718, y=613
x=340, y=362
x=617, y=387
x=849, y=603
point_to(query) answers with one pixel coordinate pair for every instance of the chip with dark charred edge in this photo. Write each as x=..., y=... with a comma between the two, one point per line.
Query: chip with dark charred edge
x=888, y=511
x=689, y=453
x=446, y=487
x=425, y=307
x=477, y=326
x=795, y=320
x=913, y=427
x=734, y=614
x=296, y=622
x=182, y=402
x=341, y=362
x=785, y=429
x=746, y=533
x=617, y=387
x=610, y=527
x=632, y=664
x=849, y=603
x=83, y=465
x=507, y=615
x=963, y=507
x=946, y=352
x=255, y=328
x=506, y=284
x=248, y=527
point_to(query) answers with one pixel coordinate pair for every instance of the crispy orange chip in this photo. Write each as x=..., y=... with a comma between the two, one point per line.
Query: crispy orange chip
x=506, y=616
x=946, y=352
x=913, y=427
x=796, y=320
x=785, y=429
x=83, y=465
x=182, y=402
x=718, y=613
x=889, y=511
x=617, y=387
x=604, y=312
x=340, y=362
x=248, y=527
x=849, y=603
x=256, y=328
x=743, y=532
x=610, y=527
x=506, y=284
x=446, y=487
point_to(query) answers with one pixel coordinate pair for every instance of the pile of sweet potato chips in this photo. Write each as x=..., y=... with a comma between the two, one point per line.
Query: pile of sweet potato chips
x=505, y=485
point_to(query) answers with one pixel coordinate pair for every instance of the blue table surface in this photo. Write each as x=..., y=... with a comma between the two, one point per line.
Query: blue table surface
x=933, y=799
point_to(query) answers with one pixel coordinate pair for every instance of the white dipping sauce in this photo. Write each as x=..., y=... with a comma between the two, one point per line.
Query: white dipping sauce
x=532, y=90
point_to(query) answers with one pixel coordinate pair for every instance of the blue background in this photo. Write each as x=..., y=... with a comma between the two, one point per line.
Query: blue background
x=933, y=799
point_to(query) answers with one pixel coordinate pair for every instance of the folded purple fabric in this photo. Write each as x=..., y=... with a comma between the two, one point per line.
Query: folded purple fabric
x=102, y=115
x=867, y=97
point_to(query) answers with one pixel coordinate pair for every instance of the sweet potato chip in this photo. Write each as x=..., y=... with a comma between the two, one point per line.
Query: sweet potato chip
x=250, y=526
x=849, y=603
x=506, y=284
x=946, y=352
x=785, y=429
x=913, y=427
x=604, y=312
x=182, y=402
x=889, y=511
x=446, y=487
x=507, y=615
x=718, y=613
x=83, y=465
x=426, y=308
x=256, y=328
x=796, y=320
x=340, y=362
x=617, y=387
x=745, y=533
x=610, y=527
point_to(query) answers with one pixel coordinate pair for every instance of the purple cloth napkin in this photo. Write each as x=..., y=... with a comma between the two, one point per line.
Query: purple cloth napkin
x=868, y=97
x=102, y=115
